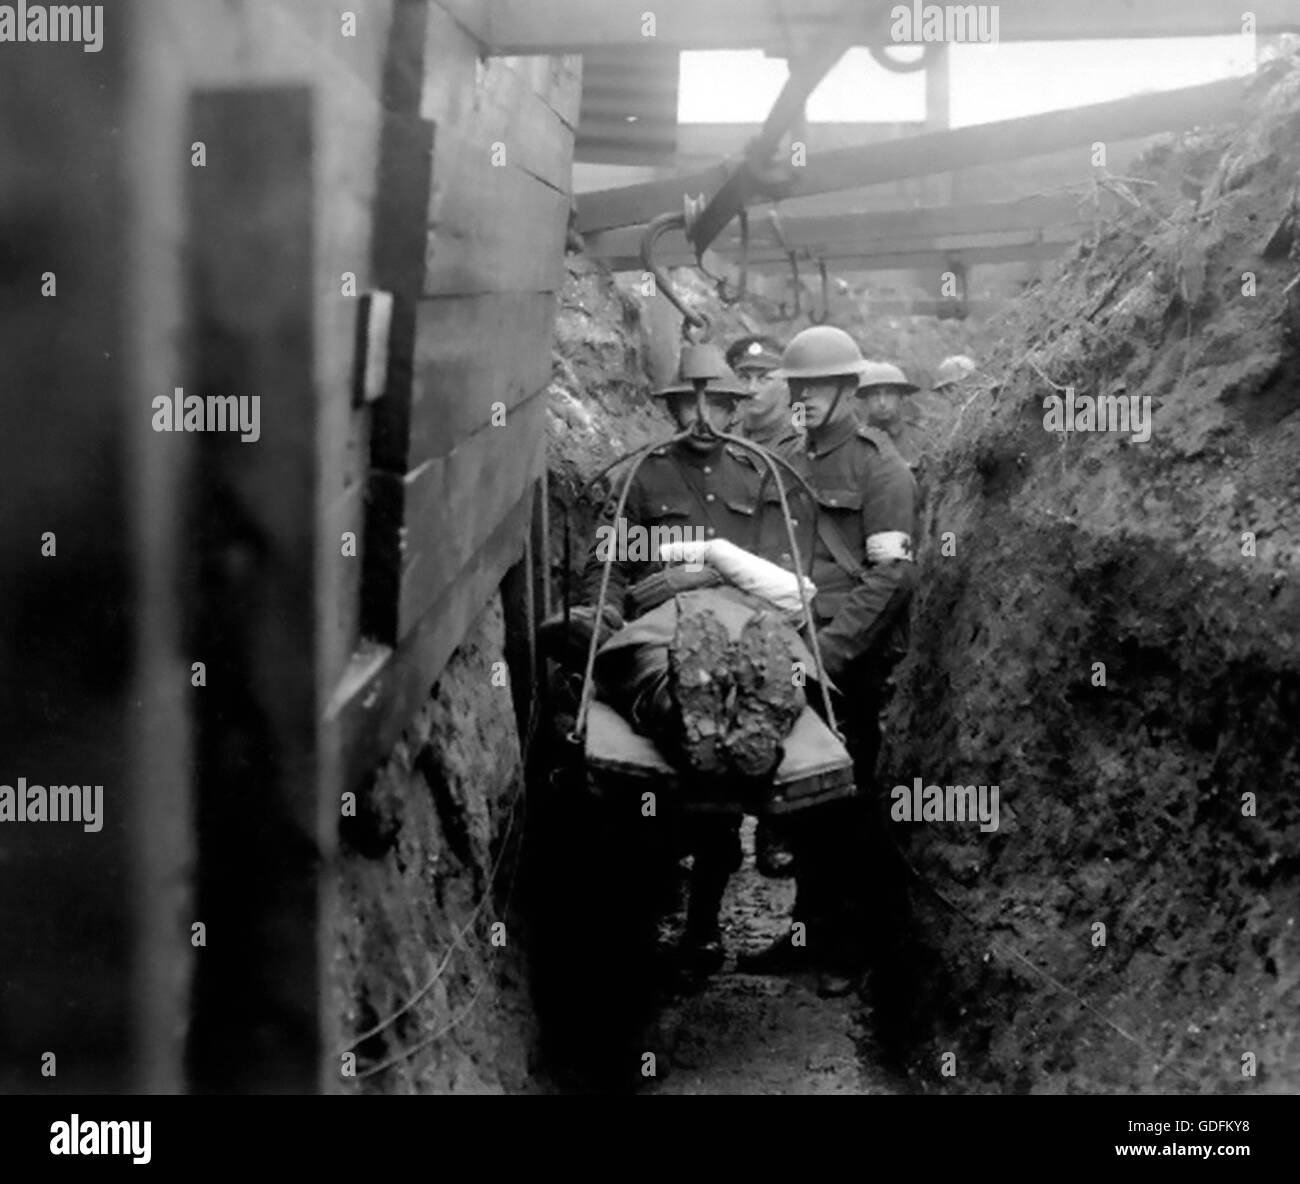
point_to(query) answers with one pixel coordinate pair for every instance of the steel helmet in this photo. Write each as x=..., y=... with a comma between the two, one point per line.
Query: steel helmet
x=706, y=362
x=883, y=374
x=820, y=352
x=953, y=370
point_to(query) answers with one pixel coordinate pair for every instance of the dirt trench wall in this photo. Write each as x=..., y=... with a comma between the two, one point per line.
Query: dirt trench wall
x=425, y=890
x=1110, y=631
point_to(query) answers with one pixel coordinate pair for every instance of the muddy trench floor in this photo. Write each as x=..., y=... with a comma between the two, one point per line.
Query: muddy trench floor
x=734, y=1033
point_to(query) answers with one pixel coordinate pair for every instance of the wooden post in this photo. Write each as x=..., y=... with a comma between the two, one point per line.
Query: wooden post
x=251, y=510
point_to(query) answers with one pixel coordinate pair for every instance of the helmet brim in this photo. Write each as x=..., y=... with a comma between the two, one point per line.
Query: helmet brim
x=815, y=372
x=735, y=392
x=905, y=388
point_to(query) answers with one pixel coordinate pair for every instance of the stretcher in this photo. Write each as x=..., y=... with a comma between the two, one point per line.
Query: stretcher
x=815, y=767
x=618, y=761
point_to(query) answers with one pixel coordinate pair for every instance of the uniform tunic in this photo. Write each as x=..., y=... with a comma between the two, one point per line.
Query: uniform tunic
x=863, y=488
x=713, y=495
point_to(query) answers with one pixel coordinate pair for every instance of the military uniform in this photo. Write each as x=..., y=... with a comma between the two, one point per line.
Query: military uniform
x=865, y=578
x=865, y=492
x=677, y=487
x=772, y=430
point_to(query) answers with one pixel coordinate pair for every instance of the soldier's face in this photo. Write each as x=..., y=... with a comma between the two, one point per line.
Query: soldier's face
x=818, y=398
x=880, y=407
x=719, y=415
x=769, y=393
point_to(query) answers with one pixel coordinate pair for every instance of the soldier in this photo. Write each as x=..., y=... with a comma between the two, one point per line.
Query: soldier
x=882, y=387
x=863, y=569
x=767, y=421
x=767, y=414
x=952, y=373
x=705, y=489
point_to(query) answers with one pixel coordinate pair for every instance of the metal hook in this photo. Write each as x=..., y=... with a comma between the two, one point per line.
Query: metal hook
x=820, y=318
x=795, y=284
x=653, y=232
x=728, y=295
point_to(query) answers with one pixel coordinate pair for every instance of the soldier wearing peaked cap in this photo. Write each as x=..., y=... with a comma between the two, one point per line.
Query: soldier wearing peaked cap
x=766, y=418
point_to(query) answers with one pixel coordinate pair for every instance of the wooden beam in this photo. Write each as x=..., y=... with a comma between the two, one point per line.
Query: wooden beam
x=811, y=235
x=250, y=595
x=450, y=505
x=938, y=152
x=571, y=26
x=903, y=258
x=947, y=309
x=384, y=690
x=473, y=352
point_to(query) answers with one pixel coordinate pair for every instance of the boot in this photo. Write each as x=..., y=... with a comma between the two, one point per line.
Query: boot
x=772, y=857
x=699, y=684
x=768, y=700
x=702, y=951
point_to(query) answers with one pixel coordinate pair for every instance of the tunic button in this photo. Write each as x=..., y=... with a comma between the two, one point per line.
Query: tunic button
x=708, y=497
x=830, y=501
x=786, y=560
x=663, y=509
x=711, y=532
x=794, y=521
x=707, y=469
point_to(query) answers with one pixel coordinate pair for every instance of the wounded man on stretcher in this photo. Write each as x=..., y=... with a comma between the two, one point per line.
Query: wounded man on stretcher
x=712, y=669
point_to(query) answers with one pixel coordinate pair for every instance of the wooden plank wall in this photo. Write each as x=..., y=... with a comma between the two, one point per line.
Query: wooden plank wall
x=451, y=461
x=458, y=449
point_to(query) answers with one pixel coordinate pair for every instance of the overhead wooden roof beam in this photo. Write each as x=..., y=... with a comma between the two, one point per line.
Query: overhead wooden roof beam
x=810, y=235
x=937, y=152
x=918, y=250
x=572, y=26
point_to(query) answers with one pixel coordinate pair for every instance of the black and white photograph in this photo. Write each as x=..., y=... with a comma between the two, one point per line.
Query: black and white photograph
x=615, y=548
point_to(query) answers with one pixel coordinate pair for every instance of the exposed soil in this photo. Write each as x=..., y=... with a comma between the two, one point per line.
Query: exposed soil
x=1123, y=803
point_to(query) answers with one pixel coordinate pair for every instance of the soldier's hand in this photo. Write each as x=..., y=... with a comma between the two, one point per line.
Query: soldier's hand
x=611, y=617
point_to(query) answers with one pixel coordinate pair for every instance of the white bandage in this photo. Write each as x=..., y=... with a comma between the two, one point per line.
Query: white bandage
x=887, y=545
x=744, y=570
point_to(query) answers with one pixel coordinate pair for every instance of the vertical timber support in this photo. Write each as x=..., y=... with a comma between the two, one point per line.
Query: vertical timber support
x=249, y=595
x=398, y=246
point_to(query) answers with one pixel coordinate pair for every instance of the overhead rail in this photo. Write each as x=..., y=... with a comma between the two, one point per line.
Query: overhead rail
x=936, y=152
x=831, y=235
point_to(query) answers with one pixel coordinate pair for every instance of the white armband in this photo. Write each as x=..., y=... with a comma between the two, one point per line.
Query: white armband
x=887, y=545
